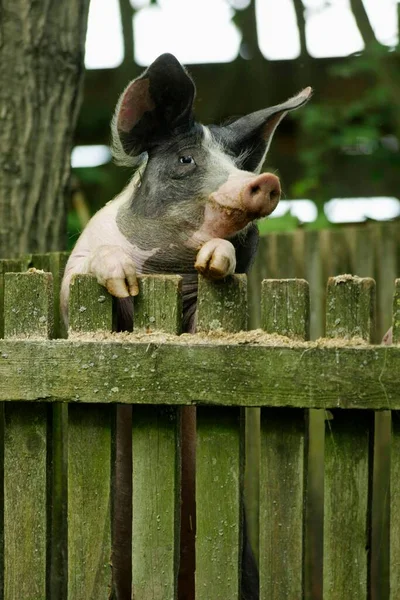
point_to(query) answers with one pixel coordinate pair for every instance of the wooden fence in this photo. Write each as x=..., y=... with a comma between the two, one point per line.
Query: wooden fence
x=367, y=250
x=55, y=537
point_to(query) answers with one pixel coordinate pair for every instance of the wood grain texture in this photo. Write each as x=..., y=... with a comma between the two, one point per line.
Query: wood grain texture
x=220, y=458
x=158, y=307
x=282, y=504
x=348, y=457
x=306, y=375
x=25, y=450
x=89, y=462
x=89, y=502
x=90, y=305
x=28, y=305
x=395, y=509
x=396, y=313
x=222, y=304
x=42, y=45
x=285, y=310
x=10, y=265
x=25, y=501
x=155, y=502
x=347, y=505
x=219, y=472
x=156, y=457
x=285, y=307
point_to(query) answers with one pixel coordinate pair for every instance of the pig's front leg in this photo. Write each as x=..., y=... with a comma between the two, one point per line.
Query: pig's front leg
x=114, y=269
x=216, y=259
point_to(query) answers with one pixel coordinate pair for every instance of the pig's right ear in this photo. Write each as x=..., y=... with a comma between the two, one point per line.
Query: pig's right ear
x=153, y=106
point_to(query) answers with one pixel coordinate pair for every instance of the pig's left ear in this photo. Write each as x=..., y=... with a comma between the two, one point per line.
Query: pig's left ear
x=250, y=136
x=153, y=106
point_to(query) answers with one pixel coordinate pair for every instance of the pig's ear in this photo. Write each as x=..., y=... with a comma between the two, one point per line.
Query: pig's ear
x=250, y=136
x=153, y=106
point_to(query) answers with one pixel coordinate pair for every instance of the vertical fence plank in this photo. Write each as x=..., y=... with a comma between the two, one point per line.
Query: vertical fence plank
x=156, y=501
x=348, y=464
x=284, y=310
x=219, y=459
x=25, y=449
x=89, y=463
x=9, y=265
x=54, y=262
x=156, y=459
x=395, y=471
x=315, y=276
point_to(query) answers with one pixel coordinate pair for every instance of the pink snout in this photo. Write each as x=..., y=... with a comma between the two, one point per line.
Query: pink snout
x=261, y=194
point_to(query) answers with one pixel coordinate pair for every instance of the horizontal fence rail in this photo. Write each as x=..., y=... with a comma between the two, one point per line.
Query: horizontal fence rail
x=58, y=419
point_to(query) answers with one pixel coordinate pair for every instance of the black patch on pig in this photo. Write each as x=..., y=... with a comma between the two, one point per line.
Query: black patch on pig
x=165, y=105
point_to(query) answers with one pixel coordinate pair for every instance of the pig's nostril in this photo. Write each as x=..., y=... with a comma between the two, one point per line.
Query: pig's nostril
x=254, y=189
x=274, y=194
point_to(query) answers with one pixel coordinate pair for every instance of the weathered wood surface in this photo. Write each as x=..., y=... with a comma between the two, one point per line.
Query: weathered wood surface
x=90, y=451
x=159, y=304
x=285, y=310
x=219, y=472
x=25, y=451
x=90, y=305
x=396, y=313
x=394, y=561
x=282, y=503
x=220, y=458
x=285, y=307
x=395, y=510
x=8, y=265
x=25, y=501
x=347, y=505
x=89, y=502
x=28, y=305
x=222, y=304
x=156, y=458
x=305, y=375
x=348, y=457
x=155, y=502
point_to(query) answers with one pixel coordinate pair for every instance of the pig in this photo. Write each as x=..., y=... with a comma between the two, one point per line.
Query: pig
x=190, y=208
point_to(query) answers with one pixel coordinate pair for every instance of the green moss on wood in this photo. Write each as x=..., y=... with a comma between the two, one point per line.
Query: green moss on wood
x=282, y=503
x=350, y=307
x=89, y=502
x=222, y=304
x=347, y=505
x=285, y=307
x=156, y=502
x=219, y=472
x=158, y=307
x=305, y=375
x=28, y=304
x=396, y=313
x=90, y=305
x=25, y=491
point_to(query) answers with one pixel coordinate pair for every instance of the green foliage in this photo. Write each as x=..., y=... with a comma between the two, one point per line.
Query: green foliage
x=356, y=128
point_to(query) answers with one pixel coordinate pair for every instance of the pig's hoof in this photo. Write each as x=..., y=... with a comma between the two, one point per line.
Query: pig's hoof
x=216, y=259
x=115, y=270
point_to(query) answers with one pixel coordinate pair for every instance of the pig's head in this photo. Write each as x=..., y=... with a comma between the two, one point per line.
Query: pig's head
x=205, y=177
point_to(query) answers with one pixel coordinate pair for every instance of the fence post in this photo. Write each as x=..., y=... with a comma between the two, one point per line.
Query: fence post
x=395, y=471
x=285, y=311
x=348, y=457
x=89, y=459
x=219, y=457
x=156, y=456
x=28, y=308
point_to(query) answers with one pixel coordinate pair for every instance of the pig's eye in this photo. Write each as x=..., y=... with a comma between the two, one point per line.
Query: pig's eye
x=186, y=160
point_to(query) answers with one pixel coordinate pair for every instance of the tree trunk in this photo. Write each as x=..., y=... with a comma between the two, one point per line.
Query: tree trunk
x=41, y=71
